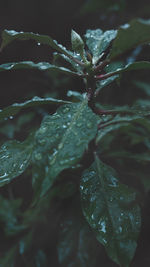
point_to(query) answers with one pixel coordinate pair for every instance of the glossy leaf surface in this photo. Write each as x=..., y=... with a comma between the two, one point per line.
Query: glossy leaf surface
x=10, y=35
x=137, y=32
x=64, y=136
x=134, y=66
x=14, y=159
x=115, y=123
x=97, y=42
x=35, y=101
x=43, y=66
x=111, y=210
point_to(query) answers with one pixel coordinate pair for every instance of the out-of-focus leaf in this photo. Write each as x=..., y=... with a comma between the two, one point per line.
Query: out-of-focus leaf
x=111, y=210
x=40, y=259
x=137, y=32
x=43, y=66
x=97, y=42
x=8, y=260
x=76, y=243
x=9, y=212
x=35, y=101
x=144, y=86
x=15, y=157
x=107, y=5
x=63, y=138
x=25, y=243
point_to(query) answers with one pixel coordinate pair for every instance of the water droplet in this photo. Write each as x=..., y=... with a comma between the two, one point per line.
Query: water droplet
x=21, y=166
x=79, y=124
x=38, y=156
x=69, y=116
x=41, y=142
x=93, y=198
x=52, y=161
x=64, y=126
x=102, y=226
x=42, y=130
x=65, y=110
x=60, y=146
x=92, y=217
x=81, y=187
x=89, y=125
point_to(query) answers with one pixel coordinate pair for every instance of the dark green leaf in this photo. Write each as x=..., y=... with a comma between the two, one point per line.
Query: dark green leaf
x=9, y=36
x=144, y=86
x=97, y=42
x=75, y=65
x=107, y=5
x=63, y=138
x=8, y=260
x=103, y=83
x=39, y=66
x=76, y=243
x=14, y=159
x=134, y=66
x=137, y=32
x=40, y=259
x=111, y=210
x=115, y=123
x=9, y=212
x=35, y=101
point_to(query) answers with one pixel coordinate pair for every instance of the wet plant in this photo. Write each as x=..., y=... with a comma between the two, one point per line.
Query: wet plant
x=87, y=164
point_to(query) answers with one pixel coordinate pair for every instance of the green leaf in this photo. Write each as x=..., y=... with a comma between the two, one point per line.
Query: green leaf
x=144, y=86
x=77, y=42
x=77, y=245
x=75, y=65
x=98, y=41
x=39, y=66
x=133, y=66
x=8, y=260
x=9, y=212
x=14, y=159
x=41, y=259
x=35, y=101
x=63, y=138
x=9, y=36
x=105, y=5
x=137, y=32
x=101, y=84
x=111, y=210
x=114, y=124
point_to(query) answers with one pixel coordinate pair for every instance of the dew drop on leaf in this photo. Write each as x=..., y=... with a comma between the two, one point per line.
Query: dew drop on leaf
x=66, y=110
x=38, y=156
x=89, y=125
x=60, y=146
x=79, y=124
x=42, y=130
